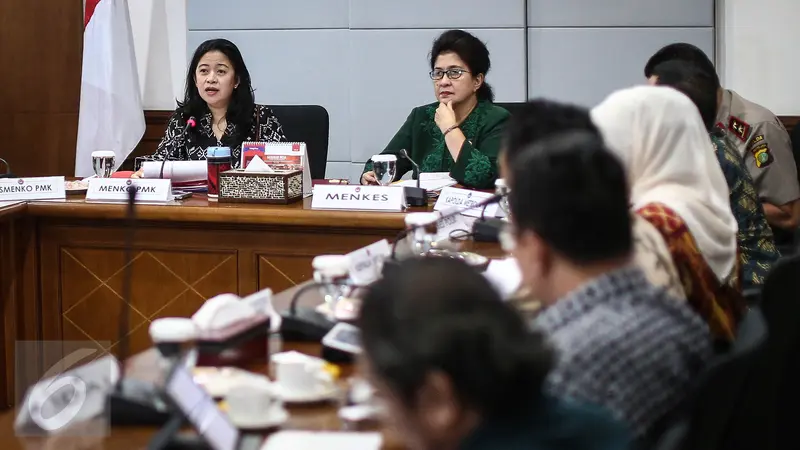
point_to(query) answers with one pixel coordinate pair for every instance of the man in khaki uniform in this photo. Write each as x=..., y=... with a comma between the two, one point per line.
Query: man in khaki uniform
x=766, y=148
x=760, y=138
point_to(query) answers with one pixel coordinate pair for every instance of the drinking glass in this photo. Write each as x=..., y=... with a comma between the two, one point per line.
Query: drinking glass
x=501, y=188
x=385, y=168
x=332, y=272
x=103, y=162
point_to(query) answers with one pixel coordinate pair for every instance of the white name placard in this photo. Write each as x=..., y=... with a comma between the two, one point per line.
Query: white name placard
x=453, y=227
x=366, y=263
x=33, y=188
x=356, y=197
x=454, y=199
x=116, y=189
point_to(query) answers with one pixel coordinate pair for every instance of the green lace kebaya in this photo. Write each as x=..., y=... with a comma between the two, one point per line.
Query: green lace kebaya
x=476, y=166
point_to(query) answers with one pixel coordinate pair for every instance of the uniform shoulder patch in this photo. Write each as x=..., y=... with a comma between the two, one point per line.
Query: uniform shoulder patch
x=739, y=128
x=757, y=139
x=762, y=155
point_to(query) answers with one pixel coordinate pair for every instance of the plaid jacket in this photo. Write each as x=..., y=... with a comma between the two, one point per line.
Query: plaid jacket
x=627, y=346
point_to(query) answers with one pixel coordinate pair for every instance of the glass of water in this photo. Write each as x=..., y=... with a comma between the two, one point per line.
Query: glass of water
x=501, y=188
x=103, y=162
x=385, y=168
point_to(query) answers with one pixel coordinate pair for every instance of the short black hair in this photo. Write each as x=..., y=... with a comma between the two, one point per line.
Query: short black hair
x=439, y=314
x=693, y=82
x=471, y=50
x=572, y=192
x=684, y=52
x=540, y=118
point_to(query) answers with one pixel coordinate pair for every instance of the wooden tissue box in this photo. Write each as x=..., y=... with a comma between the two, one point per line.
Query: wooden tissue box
x=279, y=187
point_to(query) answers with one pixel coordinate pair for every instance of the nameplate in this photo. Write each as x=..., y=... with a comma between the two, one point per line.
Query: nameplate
x=33, y=188
x=454, y=227
x=116, y=189
x=465, y=201
x=366, y=264
x=355, y=197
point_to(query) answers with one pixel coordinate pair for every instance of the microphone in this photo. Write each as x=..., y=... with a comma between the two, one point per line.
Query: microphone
x=440, y=216
x=8, y=173
x=131, y=401
x=191, y=123
x=415, y=196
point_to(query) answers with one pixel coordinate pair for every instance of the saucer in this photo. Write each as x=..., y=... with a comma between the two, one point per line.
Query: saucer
x=319, y=395
x=261, y=423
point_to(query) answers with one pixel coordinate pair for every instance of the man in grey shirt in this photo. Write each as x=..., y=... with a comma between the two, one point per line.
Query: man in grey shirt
x=623, y=343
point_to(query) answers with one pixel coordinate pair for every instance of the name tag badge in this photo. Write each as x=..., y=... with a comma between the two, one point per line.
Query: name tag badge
x=32, y=188
x=366, y=264
x=464, y=200
x=355, y=197
x=116, y=189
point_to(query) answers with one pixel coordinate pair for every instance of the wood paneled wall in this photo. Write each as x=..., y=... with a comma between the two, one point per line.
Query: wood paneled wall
x=41, y=42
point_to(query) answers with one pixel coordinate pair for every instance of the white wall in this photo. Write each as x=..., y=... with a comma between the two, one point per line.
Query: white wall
x=159, y=36
x=758, y=45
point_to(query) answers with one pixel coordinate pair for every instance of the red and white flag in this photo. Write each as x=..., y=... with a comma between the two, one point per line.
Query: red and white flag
x=111, y=115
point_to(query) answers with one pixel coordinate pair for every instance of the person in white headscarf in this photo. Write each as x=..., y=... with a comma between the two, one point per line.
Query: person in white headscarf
x=676, y=184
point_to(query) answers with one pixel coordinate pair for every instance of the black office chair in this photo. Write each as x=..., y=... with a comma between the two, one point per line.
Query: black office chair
x=511, y=107
x=795, y=137
x=764, y=417
x=309, y=124
x=705, y=419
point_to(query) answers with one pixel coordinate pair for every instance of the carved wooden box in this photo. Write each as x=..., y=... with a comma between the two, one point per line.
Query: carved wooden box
x=280, y=187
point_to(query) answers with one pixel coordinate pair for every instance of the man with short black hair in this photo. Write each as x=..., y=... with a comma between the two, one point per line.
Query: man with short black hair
x=459, y=368
x=623, y=343
x=758, y=136
x=754, y=235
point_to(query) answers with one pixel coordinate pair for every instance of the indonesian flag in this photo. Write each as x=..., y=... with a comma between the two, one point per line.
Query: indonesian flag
x=111, y=115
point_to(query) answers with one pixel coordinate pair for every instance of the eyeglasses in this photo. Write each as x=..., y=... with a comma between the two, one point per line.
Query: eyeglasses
x=453, y=73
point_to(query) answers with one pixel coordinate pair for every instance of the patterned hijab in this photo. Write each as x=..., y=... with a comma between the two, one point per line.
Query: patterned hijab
x=659, y=135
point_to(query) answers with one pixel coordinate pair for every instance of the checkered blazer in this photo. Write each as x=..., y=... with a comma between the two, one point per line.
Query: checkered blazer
x=626, y=345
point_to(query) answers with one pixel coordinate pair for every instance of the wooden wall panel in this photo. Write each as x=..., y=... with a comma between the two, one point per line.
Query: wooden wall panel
x=41, y=44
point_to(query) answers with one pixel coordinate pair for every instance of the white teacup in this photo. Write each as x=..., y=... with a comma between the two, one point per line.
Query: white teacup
x=301, y=375
x=254, y=404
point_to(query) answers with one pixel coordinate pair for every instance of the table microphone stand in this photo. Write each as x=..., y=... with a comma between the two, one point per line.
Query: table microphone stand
x=415, y=196
x=131, y=401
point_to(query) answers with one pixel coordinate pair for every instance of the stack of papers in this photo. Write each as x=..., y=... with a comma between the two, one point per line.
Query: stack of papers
x=311, y=440
x=431, y=181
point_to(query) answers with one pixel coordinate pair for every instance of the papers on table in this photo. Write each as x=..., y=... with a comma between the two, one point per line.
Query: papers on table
x=505, y=276
x=310, y=440
x=177, y=171
x=431, y=181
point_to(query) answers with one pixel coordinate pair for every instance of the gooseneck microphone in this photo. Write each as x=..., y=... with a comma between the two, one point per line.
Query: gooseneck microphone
x=415, y=196
x=8, y=173
x=131, y=401
x=191, y=123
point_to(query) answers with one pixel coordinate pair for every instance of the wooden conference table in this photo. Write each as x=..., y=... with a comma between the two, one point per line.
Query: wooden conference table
x=61, y=270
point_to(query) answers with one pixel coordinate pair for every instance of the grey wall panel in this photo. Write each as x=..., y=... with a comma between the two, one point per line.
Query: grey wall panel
x=620, y=13
x=583, y=65
x=298, y=67
x=266, y=14
x=389, y=76
x=437, y=14
x=338, y=169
